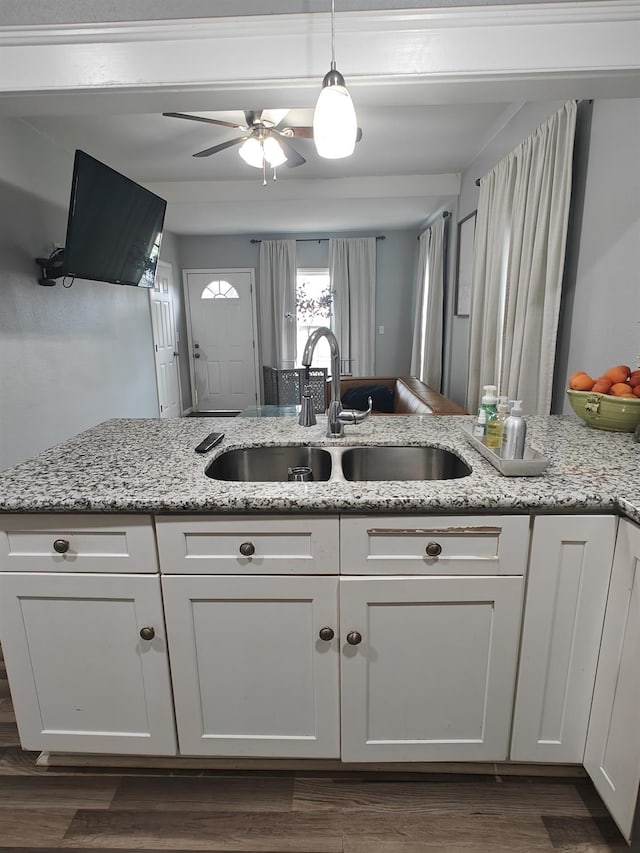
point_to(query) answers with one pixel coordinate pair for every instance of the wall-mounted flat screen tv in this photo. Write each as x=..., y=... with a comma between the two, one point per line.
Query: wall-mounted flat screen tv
x=114, y=227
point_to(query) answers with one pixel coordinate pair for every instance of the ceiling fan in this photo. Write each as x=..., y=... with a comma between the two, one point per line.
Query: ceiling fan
x=265, y=138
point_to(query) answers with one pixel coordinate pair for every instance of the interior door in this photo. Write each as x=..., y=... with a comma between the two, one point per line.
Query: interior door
x=222, y=333
x=165, y=343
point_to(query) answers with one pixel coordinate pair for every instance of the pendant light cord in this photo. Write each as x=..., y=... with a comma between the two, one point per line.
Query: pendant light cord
x=333, y=35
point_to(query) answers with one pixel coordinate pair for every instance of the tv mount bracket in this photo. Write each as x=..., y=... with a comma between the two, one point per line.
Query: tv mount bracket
x=51, y=268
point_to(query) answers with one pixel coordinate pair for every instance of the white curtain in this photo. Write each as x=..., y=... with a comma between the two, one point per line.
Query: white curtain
x=518, y=263
x=278, y=302
x=352, y=269
x=426, y=356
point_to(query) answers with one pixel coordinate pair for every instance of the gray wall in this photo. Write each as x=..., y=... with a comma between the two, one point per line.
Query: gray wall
x=69, y=357
x=601, y=303
x=396, y=261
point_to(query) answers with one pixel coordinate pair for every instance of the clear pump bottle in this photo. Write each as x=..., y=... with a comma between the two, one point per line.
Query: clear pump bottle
x=495, y=424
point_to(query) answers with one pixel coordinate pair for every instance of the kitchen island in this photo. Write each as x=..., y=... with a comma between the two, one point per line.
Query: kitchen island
x=147, y=609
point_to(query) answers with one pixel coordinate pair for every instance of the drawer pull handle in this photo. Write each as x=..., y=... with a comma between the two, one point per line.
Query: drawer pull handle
x=247, y=549
x=354, y=638
x=61, y=546
x=326, y=634
x=147, y=633
x=433, y=549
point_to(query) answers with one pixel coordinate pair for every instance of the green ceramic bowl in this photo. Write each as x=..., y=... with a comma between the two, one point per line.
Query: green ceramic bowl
x=603, y=411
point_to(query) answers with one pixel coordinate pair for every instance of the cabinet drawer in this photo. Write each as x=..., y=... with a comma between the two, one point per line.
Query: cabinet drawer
x=252, y=544
x=439, y=545
x=77, y=543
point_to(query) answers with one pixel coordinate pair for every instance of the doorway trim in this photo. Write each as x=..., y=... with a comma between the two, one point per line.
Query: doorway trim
x=217, y=272
x=168, y=269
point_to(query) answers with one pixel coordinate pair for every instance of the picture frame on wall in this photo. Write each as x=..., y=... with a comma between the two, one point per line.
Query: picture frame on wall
x=464, y=260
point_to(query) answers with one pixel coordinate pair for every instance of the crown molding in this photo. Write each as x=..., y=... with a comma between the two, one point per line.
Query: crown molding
x=454, y=46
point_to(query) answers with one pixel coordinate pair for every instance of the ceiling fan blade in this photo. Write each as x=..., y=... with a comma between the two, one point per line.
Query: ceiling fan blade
x=252, y=117
x=297, y=132
x=273, y=117
x=307, y=133
x=293, y=158
x=206, y=120
x=214, y=150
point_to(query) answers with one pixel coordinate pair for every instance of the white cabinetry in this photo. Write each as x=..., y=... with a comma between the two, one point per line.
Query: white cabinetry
x=612, y=756
x=83, y=677
x=569, y=571
x=432, y=677
x=252, y=675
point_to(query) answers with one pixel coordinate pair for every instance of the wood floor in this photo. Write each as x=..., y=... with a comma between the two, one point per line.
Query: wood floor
x=285, y=812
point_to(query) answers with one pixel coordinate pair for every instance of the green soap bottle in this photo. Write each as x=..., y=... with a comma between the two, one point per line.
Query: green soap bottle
x=495, y=425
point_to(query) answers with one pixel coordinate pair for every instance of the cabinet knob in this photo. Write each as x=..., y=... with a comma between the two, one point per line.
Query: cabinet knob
x=147, y=633
x=326, y=634
x=247, y=549
x=354, y=638
x=61, y=546
x=433, y=549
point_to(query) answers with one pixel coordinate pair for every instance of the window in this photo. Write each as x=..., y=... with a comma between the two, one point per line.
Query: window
x=314, y=308
x=219, y=290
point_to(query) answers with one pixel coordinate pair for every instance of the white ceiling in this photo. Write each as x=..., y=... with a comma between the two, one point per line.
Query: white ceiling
x=431, y=90
x=397, y=141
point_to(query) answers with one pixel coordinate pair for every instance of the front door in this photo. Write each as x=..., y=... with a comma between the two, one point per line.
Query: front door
x=165, y=343
x=222, y=331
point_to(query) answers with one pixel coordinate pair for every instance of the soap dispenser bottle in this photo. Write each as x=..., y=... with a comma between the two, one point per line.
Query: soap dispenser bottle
x=514, y=433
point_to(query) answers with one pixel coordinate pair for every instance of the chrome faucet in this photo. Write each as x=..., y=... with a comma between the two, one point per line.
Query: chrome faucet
x=336, y=415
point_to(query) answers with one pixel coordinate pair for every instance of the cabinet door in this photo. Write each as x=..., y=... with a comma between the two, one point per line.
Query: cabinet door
x=612, y=756
x=569, y=573
x=251, y=675
x=433, y=677
x=82, y=678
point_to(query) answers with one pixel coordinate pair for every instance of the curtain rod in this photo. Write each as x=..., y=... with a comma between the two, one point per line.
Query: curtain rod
x=445, y=215
x=316, y=239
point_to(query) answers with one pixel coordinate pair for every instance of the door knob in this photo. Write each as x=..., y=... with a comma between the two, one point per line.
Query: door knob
x=326, y=634
x=61, y=546
x=147, y=633
x=354, y=638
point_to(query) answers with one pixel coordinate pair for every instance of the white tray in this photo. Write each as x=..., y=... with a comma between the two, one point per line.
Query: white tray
x=531, y=465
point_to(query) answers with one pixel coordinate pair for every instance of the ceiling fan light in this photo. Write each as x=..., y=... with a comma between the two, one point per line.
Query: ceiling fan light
x=335, y=125
x=251, y=152
x=273, y=153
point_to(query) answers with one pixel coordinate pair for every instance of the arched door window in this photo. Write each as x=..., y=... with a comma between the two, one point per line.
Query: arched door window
x=219, y=290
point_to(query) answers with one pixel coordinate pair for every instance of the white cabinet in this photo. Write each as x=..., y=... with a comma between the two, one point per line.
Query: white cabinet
x=255, y=664
x=436, y=628
x=612, y=756
x=569, y=571
x=82, y=677
x=431, y=674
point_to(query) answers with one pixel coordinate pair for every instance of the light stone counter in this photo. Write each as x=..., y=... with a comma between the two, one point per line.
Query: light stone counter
x=149, y=466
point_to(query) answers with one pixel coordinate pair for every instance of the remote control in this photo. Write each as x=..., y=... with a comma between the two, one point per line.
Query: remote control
x=210, y=441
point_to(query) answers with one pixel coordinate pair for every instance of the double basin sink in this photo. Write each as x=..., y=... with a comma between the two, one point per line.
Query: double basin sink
x=383, y=462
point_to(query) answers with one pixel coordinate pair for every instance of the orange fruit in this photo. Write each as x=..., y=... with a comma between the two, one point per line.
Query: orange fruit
x=634, y=378
x=621, y=389
x=573, y=376
x=636, y=391
x=581, y=382
x=618, y=374
x=602, y=385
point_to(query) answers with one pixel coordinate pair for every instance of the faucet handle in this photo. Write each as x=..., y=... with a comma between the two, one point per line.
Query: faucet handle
x=354, y=416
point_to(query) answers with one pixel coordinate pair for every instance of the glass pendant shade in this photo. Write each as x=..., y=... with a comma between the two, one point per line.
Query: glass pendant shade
x=335, y=125
x=273, y=153
x=251, y=152
x=255, y=151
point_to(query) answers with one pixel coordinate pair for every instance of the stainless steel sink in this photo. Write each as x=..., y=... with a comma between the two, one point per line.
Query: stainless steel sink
x=402, y=463
x=269, y=464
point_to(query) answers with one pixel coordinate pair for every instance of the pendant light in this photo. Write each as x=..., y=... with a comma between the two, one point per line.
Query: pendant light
x=335, y=125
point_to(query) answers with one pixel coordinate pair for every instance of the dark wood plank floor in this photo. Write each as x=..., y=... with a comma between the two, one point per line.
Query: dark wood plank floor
x=45, y=810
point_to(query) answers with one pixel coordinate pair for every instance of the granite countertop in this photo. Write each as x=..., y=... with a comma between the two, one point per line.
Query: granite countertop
x=149, y=466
